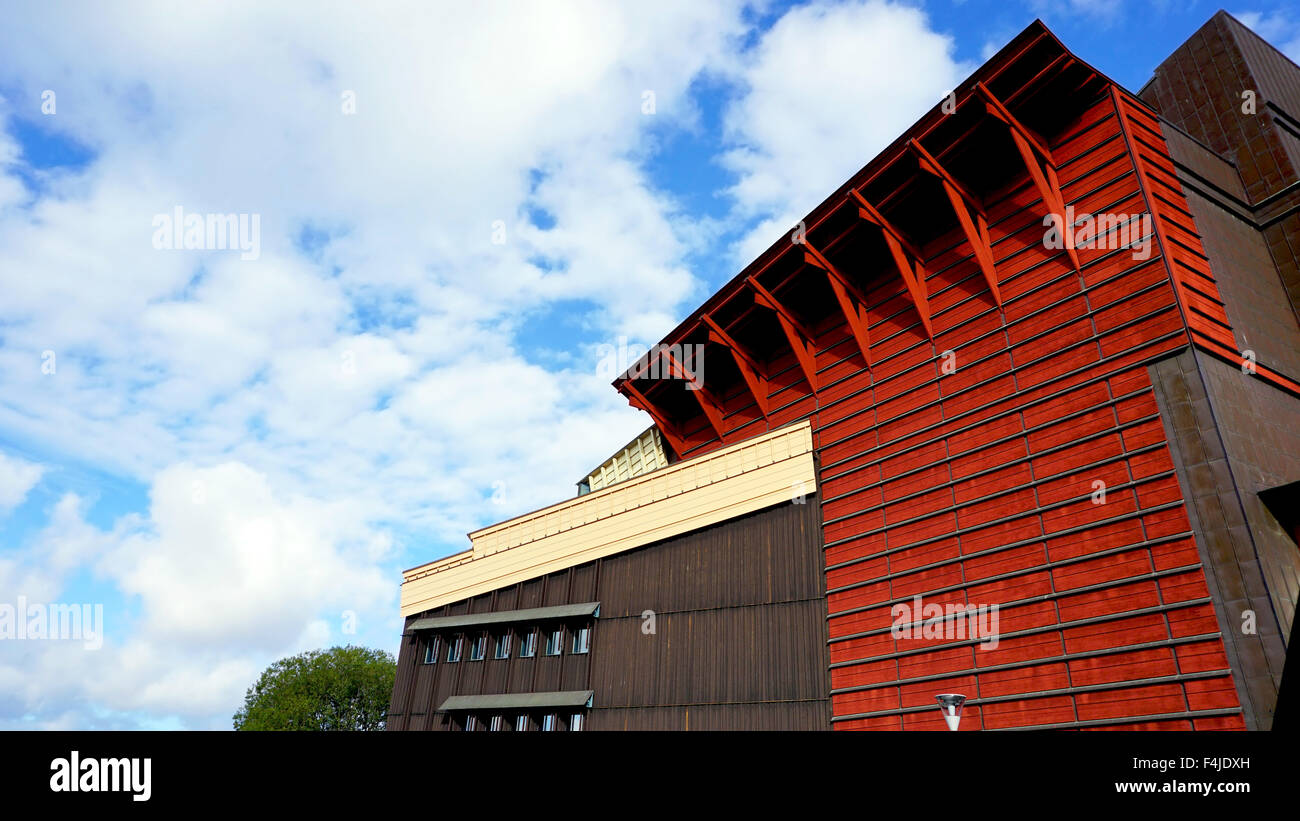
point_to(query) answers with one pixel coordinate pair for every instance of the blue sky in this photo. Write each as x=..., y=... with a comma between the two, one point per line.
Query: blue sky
x=229, y=454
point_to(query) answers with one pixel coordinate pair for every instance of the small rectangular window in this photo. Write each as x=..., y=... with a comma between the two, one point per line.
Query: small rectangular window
x=575, y=722
x=471, y=723
x=495, y=726
x=521, y=723
x=548, y=722
x=502, y=650
x=477, y=647
x=431, y=650
x=554, y=639
x=582, y=640
x=528, y=644
x=453, y=649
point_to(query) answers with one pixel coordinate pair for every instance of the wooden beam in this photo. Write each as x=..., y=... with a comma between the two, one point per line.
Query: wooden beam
x=669, y=429
x=766, y=298
x=1040, y=165
x=907, y=259
x=995, y=107
x=852, y=302
x=708, y=403
x=970, y=215
x=754, y=376
x=799, y=337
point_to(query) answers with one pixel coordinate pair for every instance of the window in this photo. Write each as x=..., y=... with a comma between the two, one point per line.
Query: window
x=521, y=723
x=582, y=640
x=495, y=726
x=502, y=650
x=477, y=647
x=575, y=722
x=553, y=640
x=528, y=643
x=471, y=723
x=431, y=650
x=453, y=649
x=548, y=722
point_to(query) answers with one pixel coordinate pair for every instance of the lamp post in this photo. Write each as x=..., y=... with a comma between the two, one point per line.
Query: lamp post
x=950, y=705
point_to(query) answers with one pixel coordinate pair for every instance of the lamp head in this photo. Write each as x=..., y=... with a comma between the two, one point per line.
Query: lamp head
x=950, y=704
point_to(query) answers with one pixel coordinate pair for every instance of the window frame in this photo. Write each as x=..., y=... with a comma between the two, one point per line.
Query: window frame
x=454, y=648
x=556, y=634
x=478, y=644
x=585, y=633
x=528, y=643
x=431, y=650
x=501, y=647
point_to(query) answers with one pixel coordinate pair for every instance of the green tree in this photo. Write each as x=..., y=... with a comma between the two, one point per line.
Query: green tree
x=343, y=688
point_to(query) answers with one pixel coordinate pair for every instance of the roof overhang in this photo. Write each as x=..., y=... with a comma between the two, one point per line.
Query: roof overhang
x=519, y=701
x=930, y=184
x=531, y=614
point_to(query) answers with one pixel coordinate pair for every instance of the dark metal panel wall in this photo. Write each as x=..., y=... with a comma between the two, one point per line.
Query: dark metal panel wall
x=721, y=628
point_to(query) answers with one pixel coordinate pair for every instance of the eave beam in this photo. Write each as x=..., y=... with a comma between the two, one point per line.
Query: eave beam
x=970, y=214
x=907, y=259
x=754, y=376
x=670, y=430
x=799, y=337
x=1040, y=165
x=708, y=403
x=852, y=301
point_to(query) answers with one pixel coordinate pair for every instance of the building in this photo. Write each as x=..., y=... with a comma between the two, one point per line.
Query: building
x=1013, y=413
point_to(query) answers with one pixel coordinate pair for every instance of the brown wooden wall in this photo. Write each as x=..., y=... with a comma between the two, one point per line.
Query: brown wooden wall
x=739, y=637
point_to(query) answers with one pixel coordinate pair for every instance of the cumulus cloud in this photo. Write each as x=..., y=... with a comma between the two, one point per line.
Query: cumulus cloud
x=1279, y=28
x=387, y=374
x=17, y=478
x=826, y=89
x=359, y=396
x=226, y=561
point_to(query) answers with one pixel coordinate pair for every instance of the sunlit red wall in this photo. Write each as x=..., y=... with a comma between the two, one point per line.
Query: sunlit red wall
x=976, y=486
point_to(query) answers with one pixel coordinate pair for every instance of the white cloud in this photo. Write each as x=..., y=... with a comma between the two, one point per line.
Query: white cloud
x=387, y=389
x=1277, y=28
x=828, y=87
x=337, y=405
x=17, y=478
x=227, y=561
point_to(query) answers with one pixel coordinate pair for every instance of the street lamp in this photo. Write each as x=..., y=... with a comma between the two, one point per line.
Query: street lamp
x=950, y=704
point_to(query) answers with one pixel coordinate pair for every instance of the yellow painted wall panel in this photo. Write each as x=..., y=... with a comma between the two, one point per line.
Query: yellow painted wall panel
x=767, y=470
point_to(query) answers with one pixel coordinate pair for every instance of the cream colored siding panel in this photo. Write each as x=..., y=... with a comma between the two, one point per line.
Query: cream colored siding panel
x=721, y=485
x=642, y=455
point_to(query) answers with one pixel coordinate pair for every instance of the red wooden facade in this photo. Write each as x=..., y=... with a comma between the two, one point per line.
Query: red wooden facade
x=968, y=387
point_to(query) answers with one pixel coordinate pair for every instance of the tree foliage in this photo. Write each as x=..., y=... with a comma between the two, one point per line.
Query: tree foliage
x=343, y=688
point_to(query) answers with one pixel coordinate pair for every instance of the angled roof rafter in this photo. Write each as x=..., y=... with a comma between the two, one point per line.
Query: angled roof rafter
x=800, y=338
x=907, y=259
x=1040, y=165
x=754, y=375
x=669, y=429
x=853, y=304
x=708, y=403
x=970, y=216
